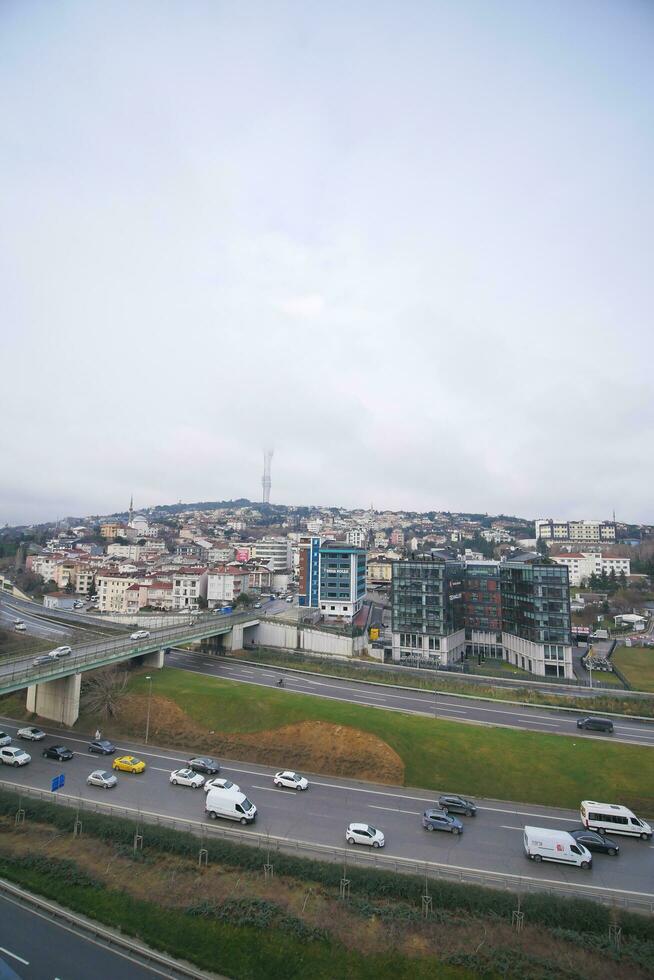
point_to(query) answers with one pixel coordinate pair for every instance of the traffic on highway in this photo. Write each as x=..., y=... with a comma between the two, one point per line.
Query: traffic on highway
x=491, y=840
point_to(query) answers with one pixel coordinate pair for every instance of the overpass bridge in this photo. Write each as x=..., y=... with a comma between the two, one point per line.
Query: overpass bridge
x=53, y=689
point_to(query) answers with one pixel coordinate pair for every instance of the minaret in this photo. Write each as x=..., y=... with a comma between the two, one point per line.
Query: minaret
x=131, y=511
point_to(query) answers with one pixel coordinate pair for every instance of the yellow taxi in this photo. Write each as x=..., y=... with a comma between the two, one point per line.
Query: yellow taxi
x=128, y=763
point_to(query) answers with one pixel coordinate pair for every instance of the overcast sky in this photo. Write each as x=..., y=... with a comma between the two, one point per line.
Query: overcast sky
x=406, y=244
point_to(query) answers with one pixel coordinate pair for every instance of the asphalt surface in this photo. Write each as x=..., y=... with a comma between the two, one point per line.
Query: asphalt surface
x=37, y=947
x=492, y=841
x=536, y=719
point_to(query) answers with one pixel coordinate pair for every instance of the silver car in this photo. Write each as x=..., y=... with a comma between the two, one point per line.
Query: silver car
x=101, y=778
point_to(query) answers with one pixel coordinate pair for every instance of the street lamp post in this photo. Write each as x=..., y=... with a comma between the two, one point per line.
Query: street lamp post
x=147, y=723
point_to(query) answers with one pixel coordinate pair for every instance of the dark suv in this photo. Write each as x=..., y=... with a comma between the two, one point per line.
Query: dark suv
x=458, y=804
x=204, y=764
x=58, y=752
x=596, y=724
x=433, y=819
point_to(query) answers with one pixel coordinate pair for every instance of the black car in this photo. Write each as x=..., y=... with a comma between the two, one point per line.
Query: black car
x=595, y=724
x=596, y=842
x=204, y=764
x=458, y=804
x=58, y=752
x=102, y=746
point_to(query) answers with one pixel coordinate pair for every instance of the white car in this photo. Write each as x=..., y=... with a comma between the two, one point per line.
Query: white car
x=225, y=784
x=60, y=652
x=363, y=833
x=31, y=733
x=20, y=627
x=140, y=635
x=101, y=778
x=186, y=777
x=292, y=780
x=5, y=739
x=13, y=755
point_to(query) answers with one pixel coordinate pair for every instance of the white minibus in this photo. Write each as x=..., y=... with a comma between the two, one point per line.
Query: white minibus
x=614, y=819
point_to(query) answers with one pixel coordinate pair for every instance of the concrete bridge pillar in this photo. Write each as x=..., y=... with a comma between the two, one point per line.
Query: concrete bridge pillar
x=234, y=640
x=155, y=659
x=56, y=700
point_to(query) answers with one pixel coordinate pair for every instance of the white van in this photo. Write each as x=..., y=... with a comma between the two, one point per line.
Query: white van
x=613, y=818
x=555, y=845
x=230, y=806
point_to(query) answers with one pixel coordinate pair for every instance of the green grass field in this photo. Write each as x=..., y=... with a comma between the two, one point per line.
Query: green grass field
x=494, y=762
x=637, y=665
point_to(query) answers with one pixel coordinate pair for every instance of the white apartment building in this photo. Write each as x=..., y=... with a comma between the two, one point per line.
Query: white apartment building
x=587, y=532
x=357, y=536
x=582, y=564
x=189, y=585
x=131, y=551
x=226, y=584
x=276, y=552
x=111, y=588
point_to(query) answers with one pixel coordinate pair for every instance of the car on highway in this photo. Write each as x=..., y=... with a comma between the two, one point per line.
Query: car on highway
x=20, y=626
x=596, y=724
x=363, y=833
x=457, y=804
x=433, y=819
x=224, y=784
x=43, y=659
x=593, y=841
x=31, y=733
x=101, y=778
x=186, y=777
x=205, y=764
x=102, y=746
x=63, y=651
x=128, y=763
x=292, y=780
x=257, y=605
x=140, y=635
x=58, y=752
x=13, y=755
x=5, y=739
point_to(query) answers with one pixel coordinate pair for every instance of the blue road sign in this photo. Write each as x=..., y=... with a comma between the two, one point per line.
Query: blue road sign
x=58, y=782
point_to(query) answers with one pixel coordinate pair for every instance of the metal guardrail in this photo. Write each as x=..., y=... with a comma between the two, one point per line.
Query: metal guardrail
x=269, y=844
x=102, y=653
x=102, y=934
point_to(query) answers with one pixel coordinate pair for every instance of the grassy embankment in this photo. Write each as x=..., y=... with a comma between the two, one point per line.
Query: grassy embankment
x=13, y=644
x=637, y=664
x=448, y=684
x=530, y=767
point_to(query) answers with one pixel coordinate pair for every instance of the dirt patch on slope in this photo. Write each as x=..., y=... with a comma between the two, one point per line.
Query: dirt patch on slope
x=315, y=746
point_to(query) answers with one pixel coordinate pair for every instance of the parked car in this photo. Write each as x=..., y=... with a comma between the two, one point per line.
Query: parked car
x=433, y=819
x=101, y=778
x=593, y=841
x=225, y=784
x=5, y=739
x=140, y=635
x=128, y=763
x=204, y=763
x=457, y=804
x=187, y=777
x=13, y=755
x=592, y=724
x=31, y=733
x=58, y=752
x=102, y=746
x=60, y=652
x=363, y=833
x=292, y=780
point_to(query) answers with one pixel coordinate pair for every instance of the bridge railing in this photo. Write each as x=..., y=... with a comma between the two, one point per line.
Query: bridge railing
x=269, y=844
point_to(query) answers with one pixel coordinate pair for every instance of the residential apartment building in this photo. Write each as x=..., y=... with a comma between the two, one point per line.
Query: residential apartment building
x=189, y=586
x=276, y=552
x=582, y=564
x=112, y=529
x=587, y=532
x=379, y=571
x=518, y=610
x=154, y=595
x=342, y=578
x=357, y=536
x=111, y=588
x=226, y=583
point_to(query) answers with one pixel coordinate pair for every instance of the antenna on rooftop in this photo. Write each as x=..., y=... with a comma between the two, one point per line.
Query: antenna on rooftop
x=265, y=479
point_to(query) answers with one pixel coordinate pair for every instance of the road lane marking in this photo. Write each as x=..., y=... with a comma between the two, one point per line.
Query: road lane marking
x=393, y=809
x=506, y=826
x=14, y=956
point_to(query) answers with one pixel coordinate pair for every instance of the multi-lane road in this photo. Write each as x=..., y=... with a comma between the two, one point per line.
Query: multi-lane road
x=474, y=711
x=492, y=841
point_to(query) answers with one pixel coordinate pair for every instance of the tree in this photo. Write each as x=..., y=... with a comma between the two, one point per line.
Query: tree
x=541, y=547
x=202, y=602
x=103, y=690
x=69, y=588
x=244, y=599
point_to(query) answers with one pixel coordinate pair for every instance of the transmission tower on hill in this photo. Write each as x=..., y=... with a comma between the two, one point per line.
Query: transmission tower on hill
x=265, y=479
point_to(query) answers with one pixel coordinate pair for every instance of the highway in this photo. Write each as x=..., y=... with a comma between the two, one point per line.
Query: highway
x=492, y=841
x=38, y=947
x=450, y=707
